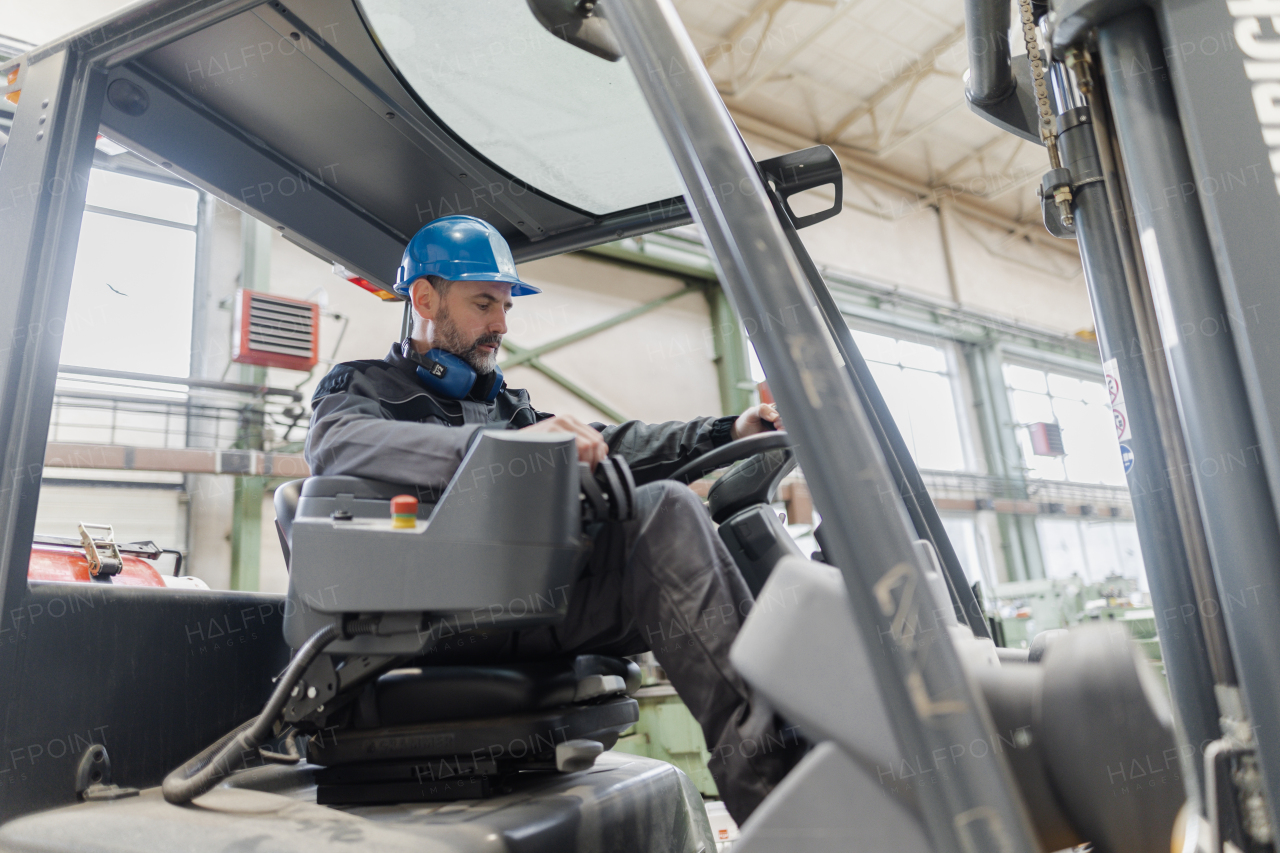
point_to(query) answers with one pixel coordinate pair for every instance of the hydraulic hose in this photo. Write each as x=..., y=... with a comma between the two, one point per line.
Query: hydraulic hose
x=216, y=761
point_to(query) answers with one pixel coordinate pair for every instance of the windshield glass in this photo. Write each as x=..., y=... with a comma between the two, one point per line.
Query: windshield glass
x=568, y=123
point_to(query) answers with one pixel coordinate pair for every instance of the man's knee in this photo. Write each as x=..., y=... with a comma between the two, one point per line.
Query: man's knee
x=669, y=510
x=670, y=496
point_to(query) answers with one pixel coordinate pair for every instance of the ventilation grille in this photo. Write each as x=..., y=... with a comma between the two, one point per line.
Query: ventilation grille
x=272, y=331
x=1046, y=439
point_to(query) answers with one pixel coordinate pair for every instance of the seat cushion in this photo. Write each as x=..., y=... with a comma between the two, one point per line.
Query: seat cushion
x=518, y=737
x=414, y=695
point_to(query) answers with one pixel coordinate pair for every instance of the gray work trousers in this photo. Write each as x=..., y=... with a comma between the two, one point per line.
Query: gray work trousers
x=665, y=583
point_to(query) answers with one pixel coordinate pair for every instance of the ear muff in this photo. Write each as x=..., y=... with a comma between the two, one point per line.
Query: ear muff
x=449, y=376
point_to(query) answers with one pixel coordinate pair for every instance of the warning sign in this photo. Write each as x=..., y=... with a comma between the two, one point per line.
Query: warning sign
x=1126, y=456
x=1119, y=412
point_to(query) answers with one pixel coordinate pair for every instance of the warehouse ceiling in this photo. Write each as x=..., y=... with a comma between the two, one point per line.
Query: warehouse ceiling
x=881, y=81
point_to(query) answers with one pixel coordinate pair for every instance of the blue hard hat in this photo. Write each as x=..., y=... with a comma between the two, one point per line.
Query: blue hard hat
x=459, y=248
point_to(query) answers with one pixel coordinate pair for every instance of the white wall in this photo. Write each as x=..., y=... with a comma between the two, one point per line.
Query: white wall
x=655, y=367
x=136, y=514
x=1014, y=278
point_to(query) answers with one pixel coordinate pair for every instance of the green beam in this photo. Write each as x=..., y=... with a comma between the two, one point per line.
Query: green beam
x=531, y=353
x=246, y=519
x=666, y=252
x=565, y=382
x=1020, y=541
x=862, y=297
x=733, y=369
x=246, y=532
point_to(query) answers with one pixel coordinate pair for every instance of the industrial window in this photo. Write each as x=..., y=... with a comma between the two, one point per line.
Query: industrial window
x=1078, y=409
x=972, y=549
x=917, y=381
x=131, y=293
x=129, y=313
x=1091, y=550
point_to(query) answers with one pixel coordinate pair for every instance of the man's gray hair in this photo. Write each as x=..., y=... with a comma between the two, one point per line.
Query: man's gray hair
x=441, y=286
x=440, y=283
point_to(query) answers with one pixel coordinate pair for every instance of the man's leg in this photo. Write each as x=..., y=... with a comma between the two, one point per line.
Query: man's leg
x=665, y=582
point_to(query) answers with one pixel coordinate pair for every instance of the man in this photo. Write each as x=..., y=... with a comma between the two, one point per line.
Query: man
x=662, y=582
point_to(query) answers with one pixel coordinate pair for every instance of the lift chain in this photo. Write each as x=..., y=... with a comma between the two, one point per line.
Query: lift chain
x=1035, y=59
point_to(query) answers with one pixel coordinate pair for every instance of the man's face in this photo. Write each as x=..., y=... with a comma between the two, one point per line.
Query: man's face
x=471, y=320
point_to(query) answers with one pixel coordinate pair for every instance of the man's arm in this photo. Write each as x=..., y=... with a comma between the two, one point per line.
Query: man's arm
x=656, y=451
x=352, y=434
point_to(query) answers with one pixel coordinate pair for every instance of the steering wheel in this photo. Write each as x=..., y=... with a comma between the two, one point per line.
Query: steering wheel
x=734, y=451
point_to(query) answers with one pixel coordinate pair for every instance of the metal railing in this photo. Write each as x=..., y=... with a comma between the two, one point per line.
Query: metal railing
x=98, y=406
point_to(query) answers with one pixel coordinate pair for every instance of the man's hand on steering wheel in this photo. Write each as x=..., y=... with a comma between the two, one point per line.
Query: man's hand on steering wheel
x=591, y=446
x=755, y=420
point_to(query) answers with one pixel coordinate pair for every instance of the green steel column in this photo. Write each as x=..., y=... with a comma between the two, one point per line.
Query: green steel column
x=1020, y=543
x=246, y=532
x=732, y=366
x=246, y=522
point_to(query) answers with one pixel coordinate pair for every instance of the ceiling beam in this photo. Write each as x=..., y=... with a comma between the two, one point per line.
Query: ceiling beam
x=741, y=90
x=764, y=9
x=962, y=202
x=886, y=150
x=915, y=73
x=977, y=154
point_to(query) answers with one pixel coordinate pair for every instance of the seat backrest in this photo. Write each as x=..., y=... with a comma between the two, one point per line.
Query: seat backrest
x=286, y=503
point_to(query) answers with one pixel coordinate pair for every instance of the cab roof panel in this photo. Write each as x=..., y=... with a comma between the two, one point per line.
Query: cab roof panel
x=294, y=113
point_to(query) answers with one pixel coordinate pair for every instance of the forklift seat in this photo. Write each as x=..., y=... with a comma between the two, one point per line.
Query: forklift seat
x=286, y=503
x=421, y=712
x=428, y=694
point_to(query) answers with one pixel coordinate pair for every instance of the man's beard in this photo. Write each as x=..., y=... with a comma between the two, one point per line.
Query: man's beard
x=450, y=338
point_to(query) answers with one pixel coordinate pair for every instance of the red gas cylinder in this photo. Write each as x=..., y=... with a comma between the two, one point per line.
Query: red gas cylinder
x=68, y=564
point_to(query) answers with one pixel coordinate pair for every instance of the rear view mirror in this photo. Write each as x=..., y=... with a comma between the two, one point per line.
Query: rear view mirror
x=575, y=21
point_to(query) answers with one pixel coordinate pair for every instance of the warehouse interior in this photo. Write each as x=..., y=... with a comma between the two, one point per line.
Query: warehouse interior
x=976, y=319
x=196, y=337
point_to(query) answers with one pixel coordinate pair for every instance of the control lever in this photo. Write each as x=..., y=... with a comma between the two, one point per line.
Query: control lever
x=608, y=493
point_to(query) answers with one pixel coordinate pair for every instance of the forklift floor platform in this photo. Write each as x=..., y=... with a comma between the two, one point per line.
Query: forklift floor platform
x=623, y=802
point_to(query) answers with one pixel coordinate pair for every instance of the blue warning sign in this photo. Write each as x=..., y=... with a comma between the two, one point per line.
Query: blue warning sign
x=1126, y=456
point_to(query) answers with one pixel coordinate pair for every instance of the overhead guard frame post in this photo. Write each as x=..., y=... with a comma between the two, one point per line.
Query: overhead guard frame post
x=977, y=806
x=43, y=181
x=1236, y=504
x=906, y=476
x=43, y=228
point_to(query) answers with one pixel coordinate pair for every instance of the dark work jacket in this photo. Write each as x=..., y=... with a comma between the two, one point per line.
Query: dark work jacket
x=376, y=419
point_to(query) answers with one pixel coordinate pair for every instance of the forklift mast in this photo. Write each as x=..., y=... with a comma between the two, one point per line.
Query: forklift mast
x=1162, y=125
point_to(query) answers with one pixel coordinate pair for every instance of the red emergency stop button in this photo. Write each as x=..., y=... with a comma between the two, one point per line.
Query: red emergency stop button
x=404, y=511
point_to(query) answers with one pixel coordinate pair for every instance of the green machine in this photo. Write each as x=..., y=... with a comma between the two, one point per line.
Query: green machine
x=667, y=730
x=1022, y=609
